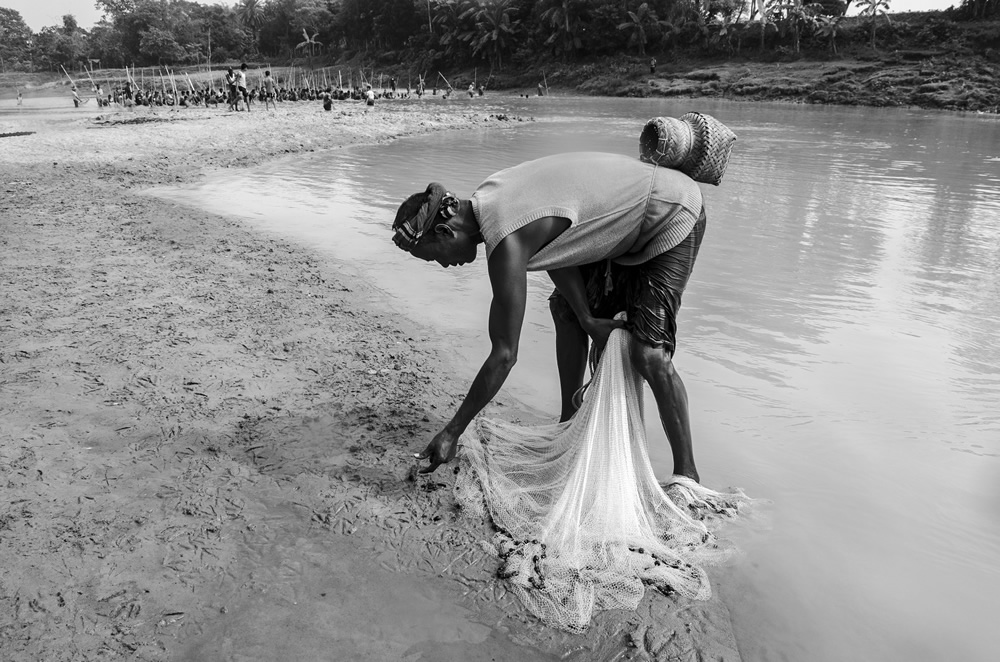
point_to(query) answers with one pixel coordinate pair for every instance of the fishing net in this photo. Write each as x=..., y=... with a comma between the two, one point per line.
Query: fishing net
x=582, y=523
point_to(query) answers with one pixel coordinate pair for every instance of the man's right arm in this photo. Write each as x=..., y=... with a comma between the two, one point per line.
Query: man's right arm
x=569, y=282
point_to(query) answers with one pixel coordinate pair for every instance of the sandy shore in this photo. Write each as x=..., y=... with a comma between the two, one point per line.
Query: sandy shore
x=205, y=432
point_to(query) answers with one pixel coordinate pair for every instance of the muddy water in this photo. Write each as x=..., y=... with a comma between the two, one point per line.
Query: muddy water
x=837, y=340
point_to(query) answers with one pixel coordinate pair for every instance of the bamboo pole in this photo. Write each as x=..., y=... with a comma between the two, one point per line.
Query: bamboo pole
x=173, y=83
x=130, y=77
x=488, y=79
x=71, y=81
x=90, y=78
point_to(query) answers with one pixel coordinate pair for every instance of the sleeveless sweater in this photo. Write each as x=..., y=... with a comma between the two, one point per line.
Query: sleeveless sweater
x=619, y=208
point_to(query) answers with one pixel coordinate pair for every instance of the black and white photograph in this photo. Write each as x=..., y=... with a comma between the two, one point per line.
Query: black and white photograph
x=499, y=330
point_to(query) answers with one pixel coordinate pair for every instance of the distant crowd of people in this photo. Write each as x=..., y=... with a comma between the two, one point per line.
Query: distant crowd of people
x=238, y=95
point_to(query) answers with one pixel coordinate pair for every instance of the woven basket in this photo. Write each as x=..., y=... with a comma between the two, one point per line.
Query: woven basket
x=696, y=144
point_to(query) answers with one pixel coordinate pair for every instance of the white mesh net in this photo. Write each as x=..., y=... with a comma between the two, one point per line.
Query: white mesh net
x=581, y=521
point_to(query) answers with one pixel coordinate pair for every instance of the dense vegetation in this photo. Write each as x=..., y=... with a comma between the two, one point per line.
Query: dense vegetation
x=497, y=34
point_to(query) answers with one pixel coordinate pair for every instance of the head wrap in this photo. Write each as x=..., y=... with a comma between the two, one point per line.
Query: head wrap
x=420, y=212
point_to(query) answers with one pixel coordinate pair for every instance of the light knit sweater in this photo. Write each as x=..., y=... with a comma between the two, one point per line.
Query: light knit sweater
x=619, y=208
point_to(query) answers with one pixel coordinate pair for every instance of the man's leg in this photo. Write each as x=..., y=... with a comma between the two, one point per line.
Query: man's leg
x=657, y=368
x=653, y=314
x=571, y=353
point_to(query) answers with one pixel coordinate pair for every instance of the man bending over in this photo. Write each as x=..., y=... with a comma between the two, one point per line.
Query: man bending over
x=614, y=233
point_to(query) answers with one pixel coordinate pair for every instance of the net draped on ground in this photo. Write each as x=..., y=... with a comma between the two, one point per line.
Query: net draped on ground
x=582, y=523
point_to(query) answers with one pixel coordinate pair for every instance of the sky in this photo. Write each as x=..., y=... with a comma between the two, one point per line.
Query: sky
x=40, y=13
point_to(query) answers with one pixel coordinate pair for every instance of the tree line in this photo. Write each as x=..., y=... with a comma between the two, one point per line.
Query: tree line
x=433, y=33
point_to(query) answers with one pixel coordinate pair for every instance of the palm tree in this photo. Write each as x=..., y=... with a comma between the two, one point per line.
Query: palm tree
x=826, y=26
x=251, y=15
x=874, y=8
x=494, y=30
x=452, y=17
x=308, y=43
x=722, y=30
x=639, y=20
x=765, y=18
x=796, y=18
x=564, y=19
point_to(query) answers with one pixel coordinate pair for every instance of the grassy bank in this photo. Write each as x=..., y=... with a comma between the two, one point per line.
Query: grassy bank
x=924, y=60
x=945, y=82
x=920, y=59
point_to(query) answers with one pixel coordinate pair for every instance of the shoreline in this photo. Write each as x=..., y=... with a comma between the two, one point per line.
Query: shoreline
x=898, y=78
x=207, y=429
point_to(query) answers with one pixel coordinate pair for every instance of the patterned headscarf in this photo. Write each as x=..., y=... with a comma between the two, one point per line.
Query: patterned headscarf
x=420, y=212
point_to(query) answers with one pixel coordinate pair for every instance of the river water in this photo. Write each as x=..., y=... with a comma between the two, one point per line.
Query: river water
x=837, y=340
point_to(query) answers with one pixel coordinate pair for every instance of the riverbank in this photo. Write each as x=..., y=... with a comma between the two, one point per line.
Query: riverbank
x=946, y=83
x=207, y=431
x=924, y=79
x=921, y=60
x=916, y=78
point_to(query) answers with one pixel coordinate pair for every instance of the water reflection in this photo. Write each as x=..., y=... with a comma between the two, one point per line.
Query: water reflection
x=837, y=339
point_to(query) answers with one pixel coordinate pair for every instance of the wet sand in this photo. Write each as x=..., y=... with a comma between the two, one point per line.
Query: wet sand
x=206, y=432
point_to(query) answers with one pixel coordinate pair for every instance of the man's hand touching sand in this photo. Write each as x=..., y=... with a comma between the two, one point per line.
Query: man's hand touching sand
x=440, y=451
